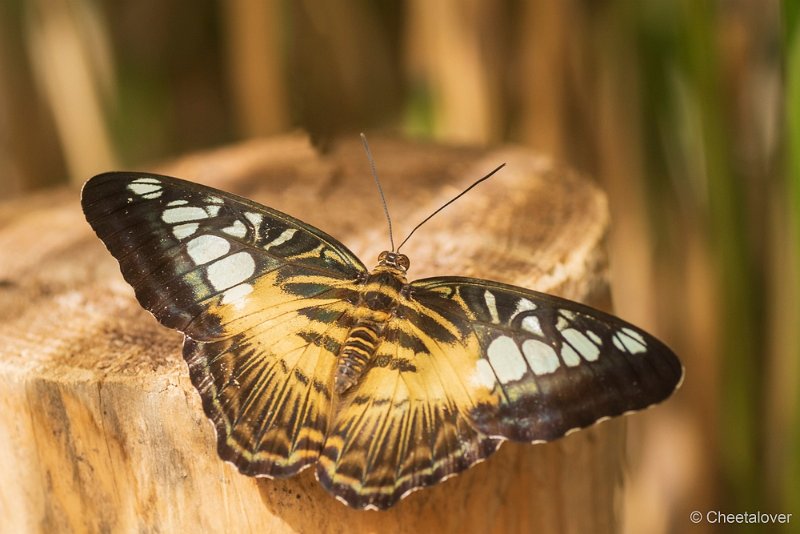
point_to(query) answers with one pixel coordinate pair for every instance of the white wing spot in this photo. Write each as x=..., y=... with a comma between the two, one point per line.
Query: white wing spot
x=183, y=214
x=237, y=294
x=570, y=357
x=635, y=335
x=178, y=202
x=153, y=195
x=231, y=270
x=254, y=218
x=531, y=324
x=205, y=248
x=570, y=315
x=506, y=359
x=285, y=236
x=523, y=305
x=144, y=188
x=628, y=340
x=483, y=375
x=491, y=304
x=594, y=337
x=146, y=180
x=213, y=200
x=582, y=344
x=237, y=229
x=182, y=231
x=541, y=356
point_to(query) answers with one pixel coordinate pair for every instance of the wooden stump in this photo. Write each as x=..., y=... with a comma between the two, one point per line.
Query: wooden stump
x=101, y=430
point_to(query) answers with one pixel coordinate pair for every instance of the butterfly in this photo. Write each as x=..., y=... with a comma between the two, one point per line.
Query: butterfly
x=303, y=357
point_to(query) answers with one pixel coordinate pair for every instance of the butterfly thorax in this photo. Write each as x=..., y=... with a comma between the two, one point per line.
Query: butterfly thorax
x=378, y=299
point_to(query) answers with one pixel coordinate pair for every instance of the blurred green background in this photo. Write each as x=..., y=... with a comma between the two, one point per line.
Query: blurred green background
x=687, y=112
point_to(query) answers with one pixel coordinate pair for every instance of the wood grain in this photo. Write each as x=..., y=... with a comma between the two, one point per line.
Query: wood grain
x=101, y=430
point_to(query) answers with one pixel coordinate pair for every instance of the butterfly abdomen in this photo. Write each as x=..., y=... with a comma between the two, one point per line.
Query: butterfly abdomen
x=378, y=301
x=357, y=351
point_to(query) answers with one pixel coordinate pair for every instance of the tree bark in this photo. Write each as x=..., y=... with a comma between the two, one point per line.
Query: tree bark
x=101, y=429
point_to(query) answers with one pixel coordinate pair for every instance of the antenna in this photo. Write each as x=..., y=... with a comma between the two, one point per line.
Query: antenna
x=380, y=189
x=461, y=194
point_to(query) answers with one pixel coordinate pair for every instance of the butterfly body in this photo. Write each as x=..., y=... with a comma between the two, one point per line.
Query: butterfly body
x=377, y=302
x=303, y=357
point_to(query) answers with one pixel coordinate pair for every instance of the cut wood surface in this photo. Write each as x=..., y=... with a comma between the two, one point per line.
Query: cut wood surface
x=102, y=431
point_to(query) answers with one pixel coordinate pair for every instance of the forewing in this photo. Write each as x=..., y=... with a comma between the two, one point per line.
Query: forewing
x=404, y=426
x=182, y=245
x=545, y=365
x=264, y=301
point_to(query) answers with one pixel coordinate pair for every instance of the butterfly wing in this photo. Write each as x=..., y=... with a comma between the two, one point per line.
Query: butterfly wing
x=467, y=363
x=263, y=299
x=547, y=365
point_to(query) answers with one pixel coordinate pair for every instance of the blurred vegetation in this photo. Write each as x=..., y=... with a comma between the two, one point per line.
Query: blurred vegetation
x=688, y=113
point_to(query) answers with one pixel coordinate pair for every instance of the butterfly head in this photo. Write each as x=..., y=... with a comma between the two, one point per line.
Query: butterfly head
x=394, y=260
